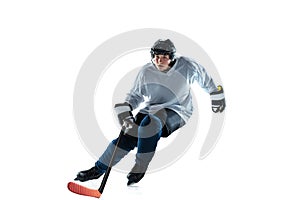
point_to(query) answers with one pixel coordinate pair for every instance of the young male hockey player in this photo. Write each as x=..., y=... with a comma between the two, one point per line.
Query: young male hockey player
x=165, y=81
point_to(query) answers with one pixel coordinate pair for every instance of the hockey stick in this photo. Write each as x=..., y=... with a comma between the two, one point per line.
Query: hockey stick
x=82, y=190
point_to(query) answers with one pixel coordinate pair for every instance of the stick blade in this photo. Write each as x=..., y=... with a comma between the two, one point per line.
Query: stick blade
x=82, y=190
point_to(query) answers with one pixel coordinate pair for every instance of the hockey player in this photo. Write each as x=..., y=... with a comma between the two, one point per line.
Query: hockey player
x=165, y=81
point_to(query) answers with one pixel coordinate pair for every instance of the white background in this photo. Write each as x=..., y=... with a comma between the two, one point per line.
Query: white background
x=254, y=44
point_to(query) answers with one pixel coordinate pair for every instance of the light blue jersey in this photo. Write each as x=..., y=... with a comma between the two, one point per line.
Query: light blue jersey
x=171, y=89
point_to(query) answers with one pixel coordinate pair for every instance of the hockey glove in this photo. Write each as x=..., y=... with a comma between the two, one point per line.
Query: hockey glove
x=218, y=100
x=124, y=114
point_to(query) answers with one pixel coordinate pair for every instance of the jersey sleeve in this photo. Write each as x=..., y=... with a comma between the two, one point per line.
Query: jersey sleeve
x=202, y=77
x=135, y=96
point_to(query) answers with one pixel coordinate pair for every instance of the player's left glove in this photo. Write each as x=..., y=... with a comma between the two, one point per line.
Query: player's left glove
x=218, y=100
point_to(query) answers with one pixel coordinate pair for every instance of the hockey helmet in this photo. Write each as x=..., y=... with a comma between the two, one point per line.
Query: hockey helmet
x=163, y=47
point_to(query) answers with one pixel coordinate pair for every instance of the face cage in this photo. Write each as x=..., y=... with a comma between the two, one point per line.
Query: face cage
x=162, y=52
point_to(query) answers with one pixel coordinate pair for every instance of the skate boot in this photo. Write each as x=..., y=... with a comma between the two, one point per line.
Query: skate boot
x=88, y=175
x=135, y=175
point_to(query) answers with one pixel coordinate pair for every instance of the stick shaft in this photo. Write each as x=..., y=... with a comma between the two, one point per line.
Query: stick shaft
x=104, y=180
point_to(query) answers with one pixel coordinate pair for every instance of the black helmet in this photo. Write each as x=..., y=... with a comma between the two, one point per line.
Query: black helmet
x=163, y=47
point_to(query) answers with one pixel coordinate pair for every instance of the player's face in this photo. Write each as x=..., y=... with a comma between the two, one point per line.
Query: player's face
x=162, y=62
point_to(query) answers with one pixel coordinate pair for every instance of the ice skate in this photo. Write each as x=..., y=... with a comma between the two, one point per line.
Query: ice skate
x=88, y=175
x=135, y=175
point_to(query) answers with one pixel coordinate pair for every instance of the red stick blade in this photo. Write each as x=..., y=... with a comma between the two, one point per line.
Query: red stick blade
x=79, y=189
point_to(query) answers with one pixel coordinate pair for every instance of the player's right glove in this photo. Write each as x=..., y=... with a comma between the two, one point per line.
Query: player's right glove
x=218, y=100
x=124, y=114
